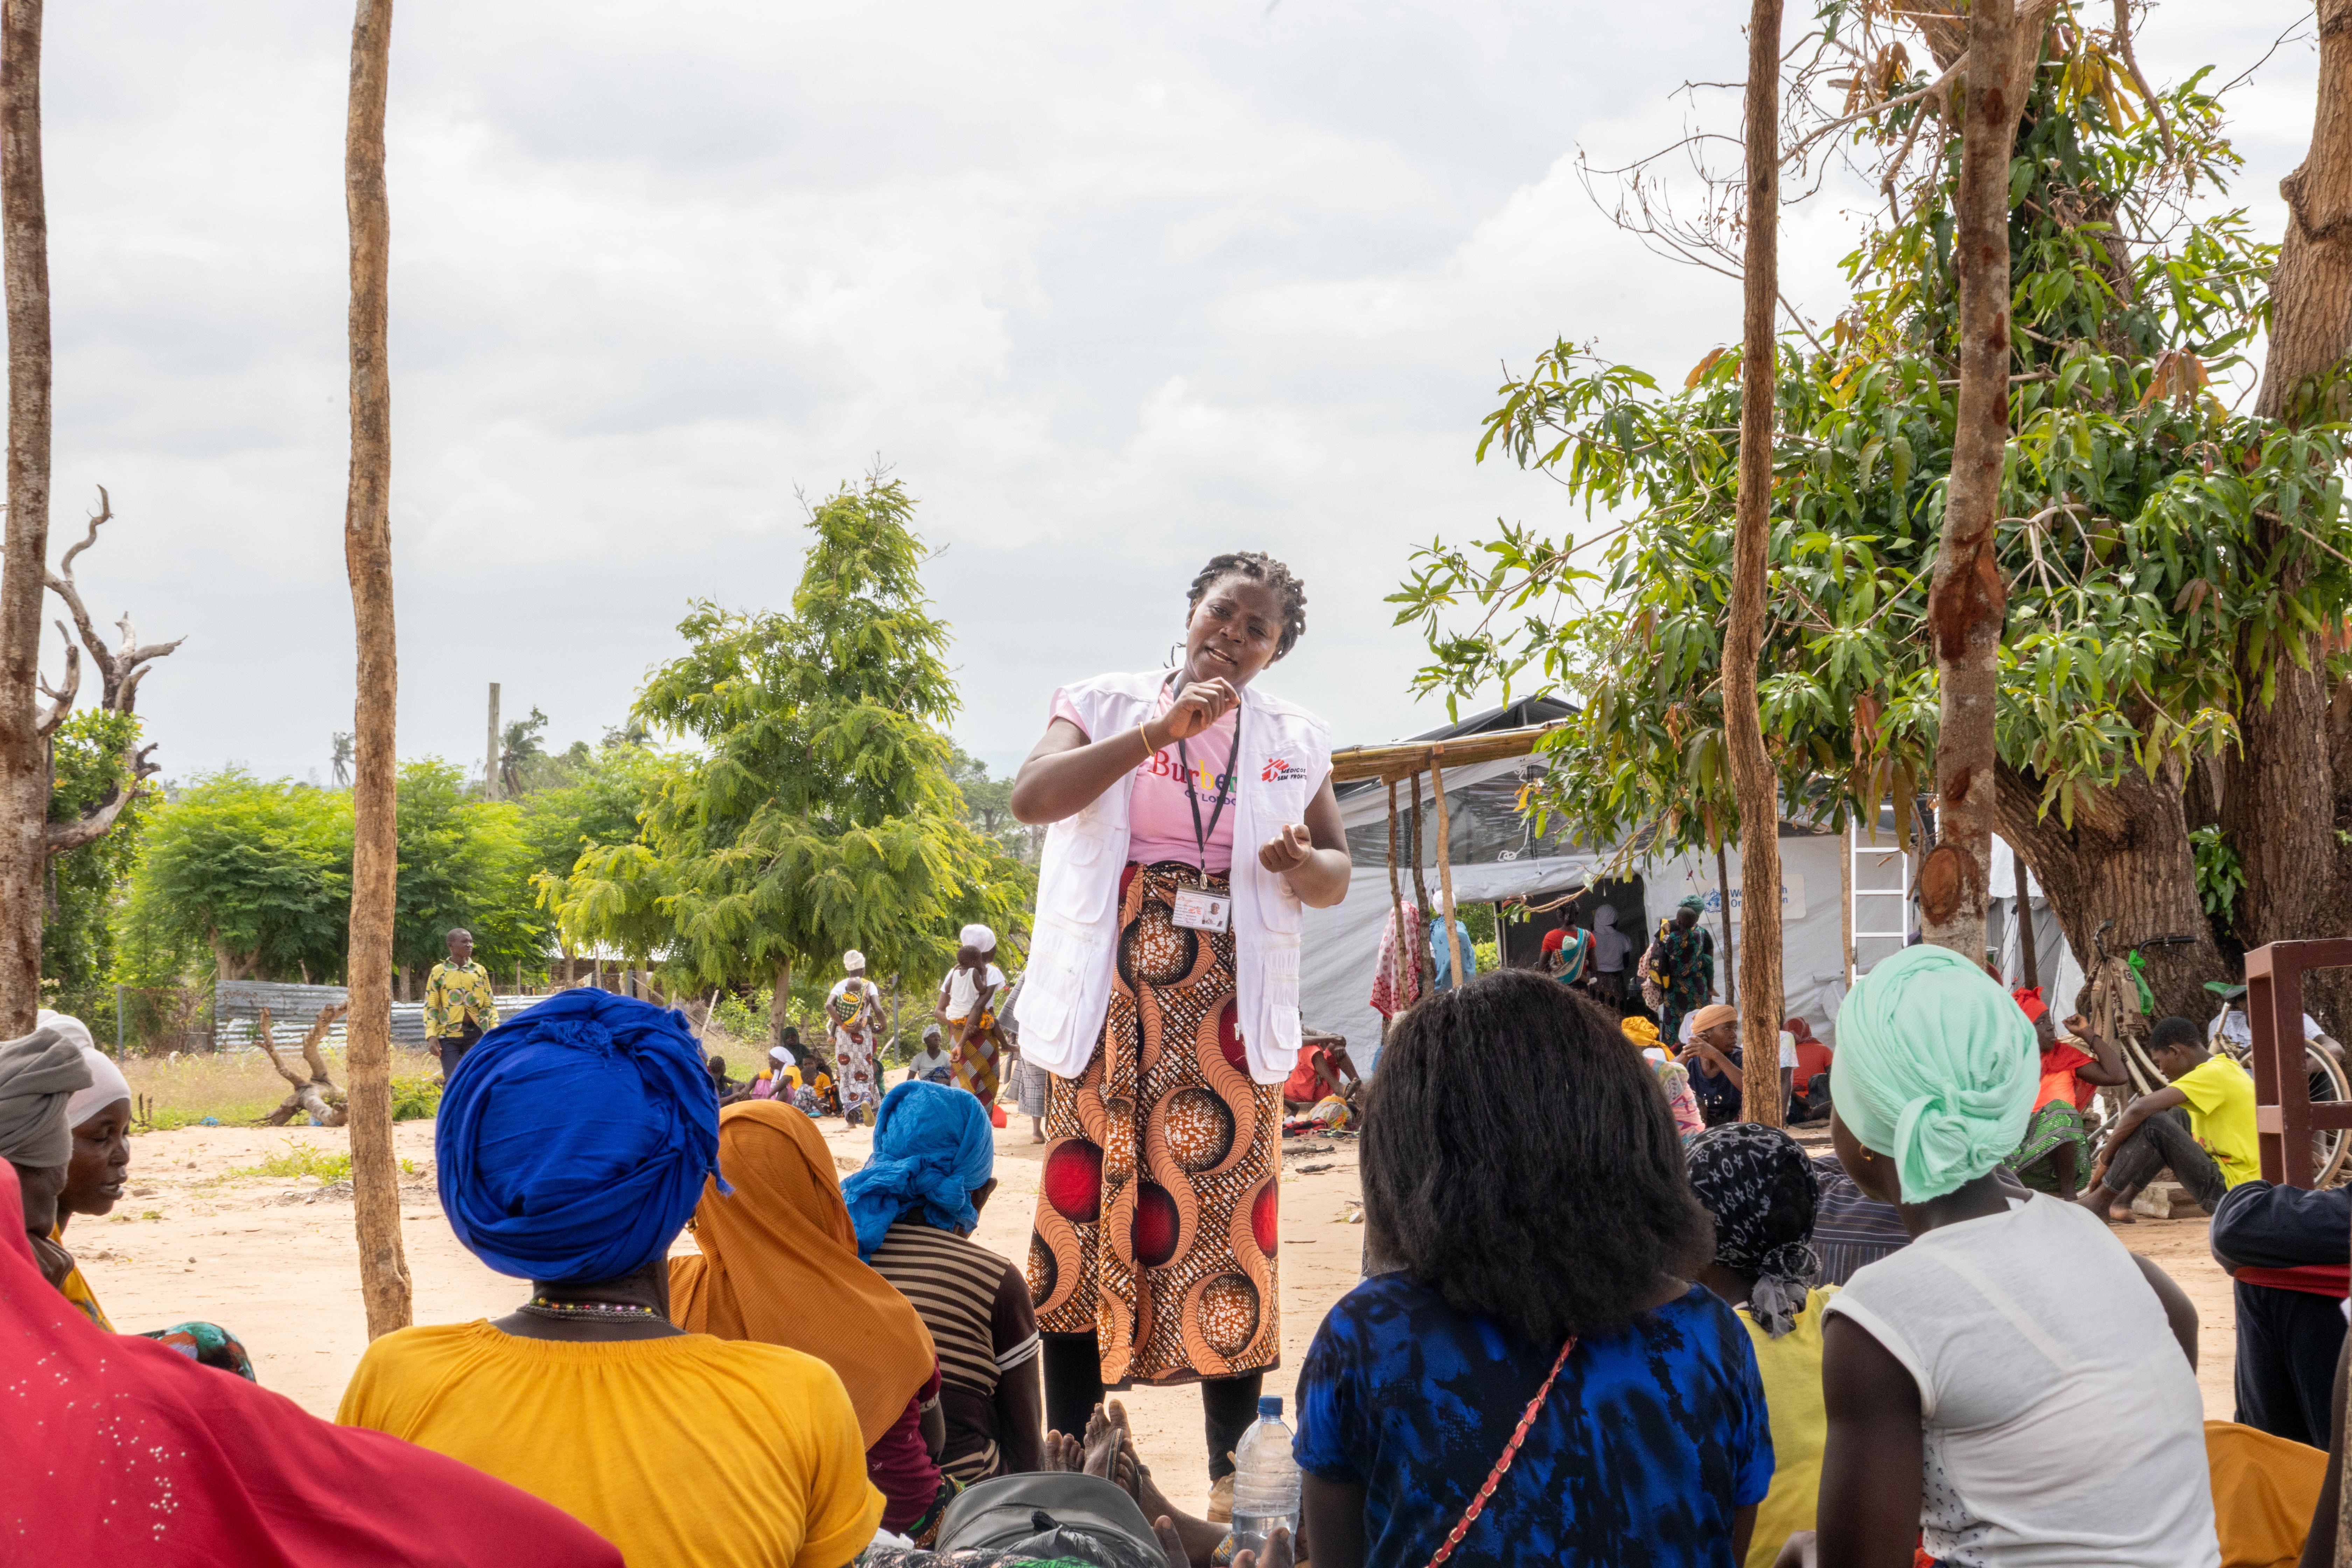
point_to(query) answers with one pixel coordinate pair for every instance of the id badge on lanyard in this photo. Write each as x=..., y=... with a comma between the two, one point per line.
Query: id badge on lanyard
x=1197, y=909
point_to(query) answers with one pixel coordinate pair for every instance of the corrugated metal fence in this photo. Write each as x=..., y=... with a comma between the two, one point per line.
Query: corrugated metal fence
x=237, y=1004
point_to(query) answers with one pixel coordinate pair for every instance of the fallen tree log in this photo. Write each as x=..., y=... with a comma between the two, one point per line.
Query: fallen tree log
x=316, y=1094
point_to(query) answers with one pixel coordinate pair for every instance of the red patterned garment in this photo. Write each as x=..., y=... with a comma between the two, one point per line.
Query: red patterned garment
x=1397, y=985
x=1156, y=1219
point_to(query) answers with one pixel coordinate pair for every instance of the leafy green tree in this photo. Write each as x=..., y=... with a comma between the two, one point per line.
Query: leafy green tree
x=988, y=805
x=89, y=759
x=2164, y=557
x=463, y=862
x=257, y=873
x=818, y=812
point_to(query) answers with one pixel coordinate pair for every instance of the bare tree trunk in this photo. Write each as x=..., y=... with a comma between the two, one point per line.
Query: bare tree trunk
x=2311, y=290
x=1968, y=602
x=2279, y=810
x=24, y=558
x=2126, y=860
x=367, y=556
x=1759, y=955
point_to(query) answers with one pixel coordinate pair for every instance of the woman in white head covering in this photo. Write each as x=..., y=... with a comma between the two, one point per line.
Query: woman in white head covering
x=39, y=1075
x=99, y=1118
x=966, y=1010
x=854, y=1006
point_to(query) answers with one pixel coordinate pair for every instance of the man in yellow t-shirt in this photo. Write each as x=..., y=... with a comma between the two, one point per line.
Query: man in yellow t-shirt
x=2202, y=1123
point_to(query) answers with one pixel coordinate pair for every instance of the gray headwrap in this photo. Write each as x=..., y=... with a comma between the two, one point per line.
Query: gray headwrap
x=38, y=1075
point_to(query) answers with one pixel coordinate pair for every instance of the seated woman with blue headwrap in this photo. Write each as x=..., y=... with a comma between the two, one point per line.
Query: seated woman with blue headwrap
x=678, y=1447
x=914, y=1208
x=2014, y=1352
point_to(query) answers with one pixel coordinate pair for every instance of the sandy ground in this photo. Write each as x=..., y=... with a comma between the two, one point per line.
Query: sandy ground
x=275, y=1261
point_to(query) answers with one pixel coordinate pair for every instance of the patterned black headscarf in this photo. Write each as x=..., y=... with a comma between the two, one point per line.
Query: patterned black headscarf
x=1756, y=1182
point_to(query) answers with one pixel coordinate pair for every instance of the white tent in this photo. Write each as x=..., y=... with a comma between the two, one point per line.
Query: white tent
x=1496, y=853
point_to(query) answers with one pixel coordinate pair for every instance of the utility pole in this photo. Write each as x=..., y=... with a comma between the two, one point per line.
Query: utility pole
x=490, y=768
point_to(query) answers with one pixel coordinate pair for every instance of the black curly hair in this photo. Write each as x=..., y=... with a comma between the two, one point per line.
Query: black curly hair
x=1255, y=564
x=1518, y=1157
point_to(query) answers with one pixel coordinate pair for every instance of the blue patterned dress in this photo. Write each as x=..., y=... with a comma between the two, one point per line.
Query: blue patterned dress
x=1650, y=1442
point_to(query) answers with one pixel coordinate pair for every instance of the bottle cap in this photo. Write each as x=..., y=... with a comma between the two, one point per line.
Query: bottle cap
x=1269, y=1407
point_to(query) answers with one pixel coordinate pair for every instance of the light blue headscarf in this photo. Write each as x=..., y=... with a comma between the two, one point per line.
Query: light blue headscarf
x=933, y=1149
x=1935, y=1066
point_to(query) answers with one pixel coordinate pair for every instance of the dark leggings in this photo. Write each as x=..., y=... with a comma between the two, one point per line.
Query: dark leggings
x=2162, y=1139
x=1074, y=1386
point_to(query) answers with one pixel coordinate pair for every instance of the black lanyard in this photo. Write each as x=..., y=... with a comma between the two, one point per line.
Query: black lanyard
x=1200, y=834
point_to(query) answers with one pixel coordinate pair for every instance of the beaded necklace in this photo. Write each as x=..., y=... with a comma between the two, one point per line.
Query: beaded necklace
x=588, y=1311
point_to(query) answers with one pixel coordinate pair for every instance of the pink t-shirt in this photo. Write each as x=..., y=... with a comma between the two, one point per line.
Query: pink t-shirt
x=1160, y=810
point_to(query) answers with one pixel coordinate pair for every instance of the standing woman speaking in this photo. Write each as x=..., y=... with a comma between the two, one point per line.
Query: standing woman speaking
x=1191, y=815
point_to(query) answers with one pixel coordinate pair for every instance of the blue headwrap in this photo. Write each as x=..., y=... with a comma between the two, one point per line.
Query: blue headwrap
x=573, y=1141
x=932, y=1148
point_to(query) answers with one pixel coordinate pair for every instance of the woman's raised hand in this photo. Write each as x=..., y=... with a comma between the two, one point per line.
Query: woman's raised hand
x=1287, y=851
x=1200, y=704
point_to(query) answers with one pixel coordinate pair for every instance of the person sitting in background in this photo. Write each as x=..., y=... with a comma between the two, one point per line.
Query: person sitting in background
x=1323, y=1072
x=144, y=1458
x=676, y=1446
x=1852, y=1229
x=1715, y=1063
x=2283, y=1249
x=1672, y=1077
x=1757, y=1183
x=2202, y=1123
x=914, y=1208
x=724, y=1086
x=39, y=1075
x=1810, y=1100
x=99, y=1116
x=931, y=1064
x=1975, y=1357
x=777, y=1263
x=2054, y=1152
x=1646, y=1438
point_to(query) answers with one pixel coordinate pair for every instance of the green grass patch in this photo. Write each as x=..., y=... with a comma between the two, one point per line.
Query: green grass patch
x=329, y=1166
x=415, y=1099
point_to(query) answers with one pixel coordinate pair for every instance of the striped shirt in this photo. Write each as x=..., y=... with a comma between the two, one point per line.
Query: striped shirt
x=1851, y=1229
x=977, y=1308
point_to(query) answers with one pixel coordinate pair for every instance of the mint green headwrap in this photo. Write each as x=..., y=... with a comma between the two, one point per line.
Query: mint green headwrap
x=1935, y=1066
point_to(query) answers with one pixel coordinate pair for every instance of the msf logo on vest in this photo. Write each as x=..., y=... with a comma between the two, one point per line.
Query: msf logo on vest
x=1279, y=769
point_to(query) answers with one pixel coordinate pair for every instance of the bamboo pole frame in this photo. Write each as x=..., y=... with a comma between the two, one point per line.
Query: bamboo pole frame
x=1406, y=758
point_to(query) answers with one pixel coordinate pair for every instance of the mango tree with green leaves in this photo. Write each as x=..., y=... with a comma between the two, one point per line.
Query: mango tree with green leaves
x=818, y=811
x=2162, y=555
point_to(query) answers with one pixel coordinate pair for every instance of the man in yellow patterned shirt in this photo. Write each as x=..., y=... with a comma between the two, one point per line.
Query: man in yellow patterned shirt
x=457, y=1004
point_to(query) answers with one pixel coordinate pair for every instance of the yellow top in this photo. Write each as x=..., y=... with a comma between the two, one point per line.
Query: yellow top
x=2221, y=1115
x=687, y=1452
x=2264, y=1488
x=76, y=1288
x=1791, y=1369
x=455, y=992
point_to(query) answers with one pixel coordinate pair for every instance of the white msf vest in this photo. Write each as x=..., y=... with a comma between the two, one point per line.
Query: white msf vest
x=1286, y=753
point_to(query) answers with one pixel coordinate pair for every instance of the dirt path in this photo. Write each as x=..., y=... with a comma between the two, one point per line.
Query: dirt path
x=274, y=1260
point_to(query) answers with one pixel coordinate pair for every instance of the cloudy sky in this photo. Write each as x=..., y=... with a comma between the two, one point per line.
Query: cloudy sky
x=1112, y=287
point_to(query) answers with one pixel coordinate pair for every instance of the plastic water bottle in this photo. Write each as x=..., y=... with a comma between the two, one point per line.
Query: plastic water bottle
x=1265, y=1481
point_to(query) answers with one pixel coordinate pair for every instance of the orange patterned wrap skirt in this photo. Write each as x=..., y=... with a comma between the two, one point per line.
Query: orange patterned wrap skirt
x=1156, y=1225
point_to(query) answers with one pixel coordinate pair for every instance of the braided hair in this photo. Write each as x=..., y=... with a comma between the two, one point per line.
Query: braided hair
x=1260, y=567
